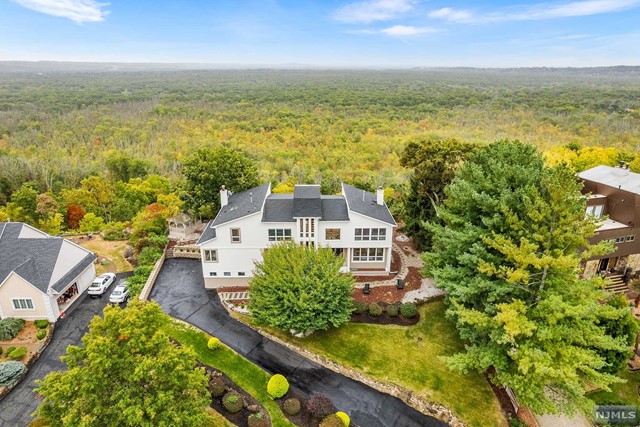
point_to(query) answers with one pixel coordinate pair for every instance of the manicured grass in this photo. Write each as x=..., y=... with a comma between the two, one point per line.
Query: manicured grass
x=217, y=420
x=410, y=357
x=244, y=373
x=620, y=394
x=112, y=250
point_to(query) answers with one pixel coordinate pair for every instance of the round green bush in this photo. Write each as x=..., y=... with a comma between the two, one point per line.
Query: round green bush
x=277, y=386
x=17, y=353
x=291, y=406
x=331, y=421
x=213, y=343
x=392, y=310
x=41, y=323
x=232, y=402
x=375, y=309
x=258, y=420
x=408, y=310
x=360, y=307
x=319, y=405
x=9, y=350
x=41, y=334
x=344, y=418
x=217, y=386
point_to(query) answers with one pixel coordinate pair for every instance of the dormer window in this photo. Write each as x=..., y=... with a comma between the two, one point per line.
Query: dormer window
x=594, y=211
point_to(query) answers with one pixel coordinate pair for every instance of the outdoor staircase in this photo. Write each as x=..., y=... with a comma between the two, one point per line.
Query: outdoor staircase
x=616, y=285
x=234, y=296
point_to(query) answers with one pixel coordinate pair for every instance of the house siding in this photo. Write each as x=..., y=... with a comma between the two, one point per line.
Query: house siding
x=16, y=287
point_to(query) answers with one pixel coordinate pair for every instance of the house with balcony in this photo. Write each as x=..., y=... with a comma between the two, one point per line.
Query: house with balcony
x=614, y=194
x=356, y=224
x=41, y=276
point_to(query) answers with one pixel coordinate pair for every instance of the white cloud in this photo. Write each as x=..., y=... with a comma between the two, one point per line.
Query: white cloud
x=75, y=10
x=406, y=31
x=535, y=12
x=372, y=10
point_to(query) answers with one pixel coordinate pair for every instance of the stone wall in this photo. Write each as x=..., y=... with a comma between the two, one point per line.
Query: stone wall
x=146, y=290
x=633, y=261
x=591, y=268
x=191, y=252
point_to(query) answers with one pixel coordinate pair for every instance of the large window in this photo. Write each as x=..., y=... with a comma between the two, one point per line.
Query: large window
x=371, y=234
x=210, y=255
x=332, y=234
x=368, y=254
x=594, y=211
x=235, y=235
x=23, y=303
x=279, y=234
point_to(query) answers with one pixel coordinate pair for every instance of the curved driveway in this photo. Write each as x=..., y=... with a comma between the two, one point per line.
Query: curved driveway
x=180, y=291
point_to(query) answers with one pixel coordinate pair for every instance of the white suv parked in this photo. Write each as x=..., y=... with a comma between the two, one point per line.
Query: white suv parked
x=101, y=284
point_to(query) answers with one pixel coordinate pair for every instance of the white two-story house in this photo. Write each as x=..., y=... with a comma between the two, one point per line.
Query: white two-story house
x=356, y=224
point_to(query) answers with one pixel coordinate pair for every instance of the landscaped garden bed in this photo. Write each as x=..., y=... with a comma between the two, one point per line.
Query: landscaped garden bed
x=23, y=348
x=385, y=314
x=221, y=388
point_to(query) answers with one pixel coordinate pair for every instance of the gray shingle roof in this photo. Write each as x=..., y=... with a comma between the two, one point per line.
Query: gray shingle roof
x=306, y=201
x=613, y=177
x=364, y=203
x=209, y=233
x=34, y=259
x=280, y=208
x=242, y=204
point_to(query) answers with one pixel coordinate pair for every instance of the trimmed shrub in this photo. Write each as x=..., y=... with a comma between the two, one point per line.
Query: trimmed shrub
x=344, y=418
x=360, y=307
x=375, y=309
x=277, y=386
x=213, y=343
x=408, y=310
x=10, y=372
x=9, y=350
x=320, y=406
x=41, y=323
x=10, y=328
x=392, y=310
x=291, y=406
x=41, y=334
x=17, y=353
x=331, y=421
x=258, y=420
x=232, y=402
x=217, y=386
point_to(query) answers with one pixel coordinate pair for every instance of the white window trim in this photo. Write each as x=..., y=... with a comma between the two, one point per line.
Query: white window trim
x=368, y=257
x=630, y=238
x=277, y=238
x=210, y=251
x=381, y=235
x=233, y=237
x=333, y=229
x=13, y=302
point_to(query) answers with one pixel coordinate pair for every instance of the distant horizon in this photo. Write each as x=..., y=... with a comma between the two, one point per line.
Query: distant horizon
x=325, y=33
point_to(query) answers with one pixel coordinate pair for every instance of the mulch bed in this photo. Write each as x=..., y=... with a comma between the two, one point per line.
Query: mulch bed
x=302, y=418
x=387, y=294
x=505, y=402
x=384, y=318
x=233, y=289
x=239, y=418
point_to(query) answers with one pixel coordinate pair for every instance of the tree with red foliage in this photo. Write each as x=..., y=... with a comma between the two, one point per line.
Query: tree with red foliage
x=74, y=215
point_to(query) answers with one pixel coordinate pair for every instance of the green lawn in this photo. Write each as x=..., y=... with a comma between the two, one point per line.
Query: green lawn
x=410, y=357
x=244, y=373
x=621, y=394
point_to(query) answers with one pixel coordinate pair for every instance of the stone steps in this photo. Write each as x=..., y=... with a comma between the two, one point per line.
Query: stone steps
x=234, y=296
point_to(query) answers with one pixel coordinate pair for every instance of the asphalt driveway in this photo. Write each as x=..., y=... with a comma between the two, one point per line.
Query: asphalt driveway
x=16, y=408
x=180, y=291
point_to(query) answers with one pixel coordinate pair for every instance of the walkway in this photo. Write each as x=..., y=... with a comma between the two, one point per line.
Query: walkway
x=16, y=408
x=179, y=290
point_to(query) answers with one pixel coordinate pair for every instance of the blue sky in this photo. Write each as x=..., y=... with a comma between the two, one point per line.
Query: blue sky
x=387, y=33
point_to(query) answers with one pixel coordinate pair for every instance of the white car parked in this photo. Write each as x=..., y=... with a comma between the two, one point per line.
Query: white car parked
x=120, y=293
x=100, y=284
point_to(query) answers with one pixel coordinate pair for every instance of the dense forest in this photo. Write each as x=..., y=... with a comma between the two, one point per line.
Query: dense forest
x=58, y=128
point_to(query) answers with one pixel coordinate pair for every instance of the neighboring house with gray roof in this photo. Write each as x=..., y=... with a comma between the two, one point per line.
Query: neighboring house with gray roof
x=40, y=275
x=356, y=224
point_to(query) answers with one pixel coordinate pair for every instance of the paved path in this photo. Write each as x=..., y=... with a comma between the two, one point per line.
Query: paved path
x=179, y=290
x=16, y=408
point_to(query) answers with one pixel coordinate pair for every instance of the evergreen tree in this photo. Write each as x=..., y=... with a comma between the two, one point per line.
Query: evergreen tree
x=300, y=288
x=507, y=255
x=434, y=162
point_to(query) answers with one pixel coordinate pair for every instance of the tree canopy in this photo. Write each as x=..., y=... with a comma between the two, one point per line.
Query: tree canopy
x=433, y=162
x=301, y=289
x=126, y=373
x=208, y=169
x=507, y=254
